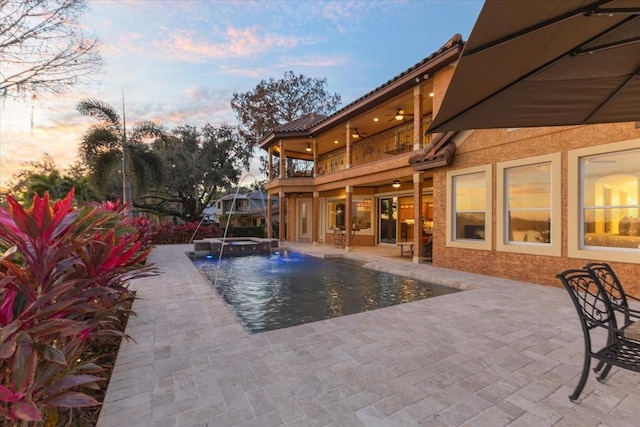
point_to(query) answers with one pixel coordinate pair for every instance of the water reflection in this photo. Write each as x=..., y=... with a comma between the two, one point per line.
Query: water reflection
x=283, y=290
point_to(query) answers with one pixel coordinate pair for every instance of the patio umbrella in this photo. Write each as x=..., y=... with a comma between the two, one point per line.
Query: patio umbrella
x=546, y=63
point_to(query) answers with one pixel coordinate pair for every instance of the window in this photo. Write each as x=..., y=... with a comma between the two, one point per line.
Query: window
x=242, y=205
x=529, y=206
x=336, y=219
x=361, y=211
x=603, y=196
x=469, y=196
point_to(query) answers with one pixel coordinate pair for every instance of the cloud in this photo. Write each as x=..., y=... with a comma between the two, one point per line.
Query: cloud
x=187, y=46
x=319, y=61
x=256, y=73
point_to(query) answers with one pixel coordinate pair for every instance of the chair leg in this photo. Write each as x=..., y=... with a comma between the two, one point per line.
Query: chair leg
x=598, y=366
x=583, y=378
x=604, y=373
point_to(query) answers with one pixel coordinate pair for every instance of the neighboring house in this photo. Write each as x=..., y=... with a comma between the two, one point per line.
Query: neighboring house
x=210, y=215
x=517, y=203
x=246, y=209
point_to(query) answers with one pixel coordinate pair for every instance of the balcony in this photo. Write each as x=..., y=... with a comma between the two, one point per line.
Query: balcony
x=364, y=150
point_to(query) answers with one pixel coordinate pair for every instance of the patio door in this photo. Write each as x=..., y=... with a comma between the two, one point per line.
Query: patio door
x=388, y=220
x=305, y=220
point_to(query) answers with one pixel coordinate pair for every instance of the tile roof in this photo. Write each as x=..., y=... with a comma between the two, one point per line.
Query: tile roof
x=439, y=152
x=301, y=124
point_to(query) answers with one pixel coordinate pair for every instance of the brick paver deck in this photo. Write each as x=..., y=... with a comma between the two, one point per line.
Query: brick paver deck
x=500, y=353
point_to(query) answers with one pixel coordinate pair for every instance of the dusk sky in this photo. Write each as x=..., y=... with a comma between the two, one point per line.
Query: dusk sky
x=179, y=62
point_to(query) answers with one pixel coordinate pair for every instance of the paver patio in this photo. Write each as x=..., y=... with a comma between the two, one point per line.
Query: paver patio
x=500, y=353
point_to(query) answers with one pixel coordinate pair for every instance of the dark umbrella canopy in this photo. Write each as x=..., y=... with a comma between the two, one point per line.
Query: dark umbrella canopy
x=546, y=63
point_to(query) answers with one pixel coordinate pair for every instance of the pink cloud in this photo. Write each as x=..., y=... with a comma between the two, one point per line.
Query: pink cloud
x=237, y=42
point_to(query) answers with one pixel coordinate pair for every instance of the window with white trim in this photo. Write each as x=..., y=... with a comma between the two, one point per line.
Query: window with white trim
x=528, y=213
x=606, y=180
x=336, y=214
x=469, y=208
x=361, y=211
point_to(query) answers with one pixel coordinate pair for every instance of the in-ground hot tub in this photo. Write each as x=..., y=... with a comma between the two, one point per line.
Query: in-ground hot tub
x=232, y=246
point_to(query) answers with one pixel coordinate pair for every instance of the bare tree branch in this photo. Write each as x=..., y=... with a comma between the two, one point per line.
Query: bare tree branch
x=42, y=48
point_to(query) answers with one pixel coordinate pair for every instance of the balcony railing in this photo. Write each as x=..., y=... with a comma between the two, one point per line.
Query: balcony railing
x=366, y=150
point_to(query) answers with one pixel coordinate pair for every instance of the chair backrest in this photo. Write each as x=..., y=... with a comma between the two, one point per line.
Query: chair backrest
x=610, y=283
x=589, y=297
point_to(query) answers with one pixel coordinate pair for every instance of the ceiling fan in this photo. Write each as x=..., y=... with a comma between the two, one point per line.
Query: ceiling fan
x=355, y=134
x=400, y=115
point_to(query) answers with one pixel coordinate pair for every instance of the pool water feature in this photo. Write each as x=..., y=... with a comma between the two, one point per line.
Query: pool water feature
x=288, y=289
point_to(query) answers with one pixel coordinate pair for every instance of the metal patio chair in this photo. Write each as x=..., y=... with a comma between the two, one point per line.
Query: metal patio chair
x=612, y=285
x=595, y=311
x=338, y=238
x=619, y=299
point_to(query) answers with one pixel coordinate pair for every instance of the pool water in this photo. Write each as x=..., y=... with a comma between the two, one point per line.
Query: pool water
x=282, y=290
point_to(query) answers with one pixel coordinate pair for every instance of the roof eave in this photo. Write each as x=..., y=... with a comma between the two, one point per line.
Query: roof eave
x=385, y=93
x=274, y=137
x=399, y=84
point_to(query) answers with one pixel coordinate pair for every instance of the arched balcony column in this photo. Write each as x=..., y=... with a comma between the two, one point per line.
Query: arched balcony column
x=417, y=216
x=315, y=228
x=314, y=146
x=417, y=118
x=269, y=216
x=347, y=160
x=282, y=216
x=348, y=220
x=283, y=163
x=270, y=176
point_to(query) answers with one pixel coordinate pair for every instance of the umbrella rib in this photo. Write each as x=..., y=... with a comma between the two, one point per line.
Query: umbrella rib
x=606, y=46
x=614, y=11
x=565, y=16
x=612, y=95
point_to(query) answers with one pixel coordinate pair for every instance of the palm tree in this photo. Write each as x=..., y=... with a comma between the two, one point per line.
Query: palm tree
x=51, y=182
x=106, y=146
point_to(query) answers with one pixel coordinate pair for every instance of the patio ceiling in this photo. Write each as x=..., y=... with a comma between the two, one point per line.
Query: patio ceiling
x=381, y=103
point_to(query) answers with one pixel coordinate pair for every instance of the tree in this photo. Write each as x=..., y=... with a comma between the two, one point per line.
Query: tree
x=42, y=48
x=106, y=147
x=19, y=183
x=275, y=102
x=39, y=177
x=201, y=165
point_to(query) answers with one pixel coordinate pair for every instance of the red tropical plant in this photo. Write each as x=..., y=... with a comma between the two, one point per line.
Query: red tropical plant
x=170, y=233
x=63, y=274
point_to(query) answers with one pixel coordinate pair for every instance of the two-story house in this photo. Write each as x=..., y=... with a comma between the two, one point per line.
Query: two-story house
x=521, y=203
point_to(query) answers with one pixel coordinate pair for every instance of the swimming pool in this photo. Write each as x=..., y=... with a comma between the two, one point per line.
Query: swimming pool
x=288, y=289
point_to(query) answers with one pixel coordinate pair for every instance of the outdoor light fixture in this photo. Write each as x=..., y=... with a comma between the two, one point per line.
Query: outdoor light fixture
x=355, y=134
x=308, y=148
x=400, y=114
x=396, y=183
